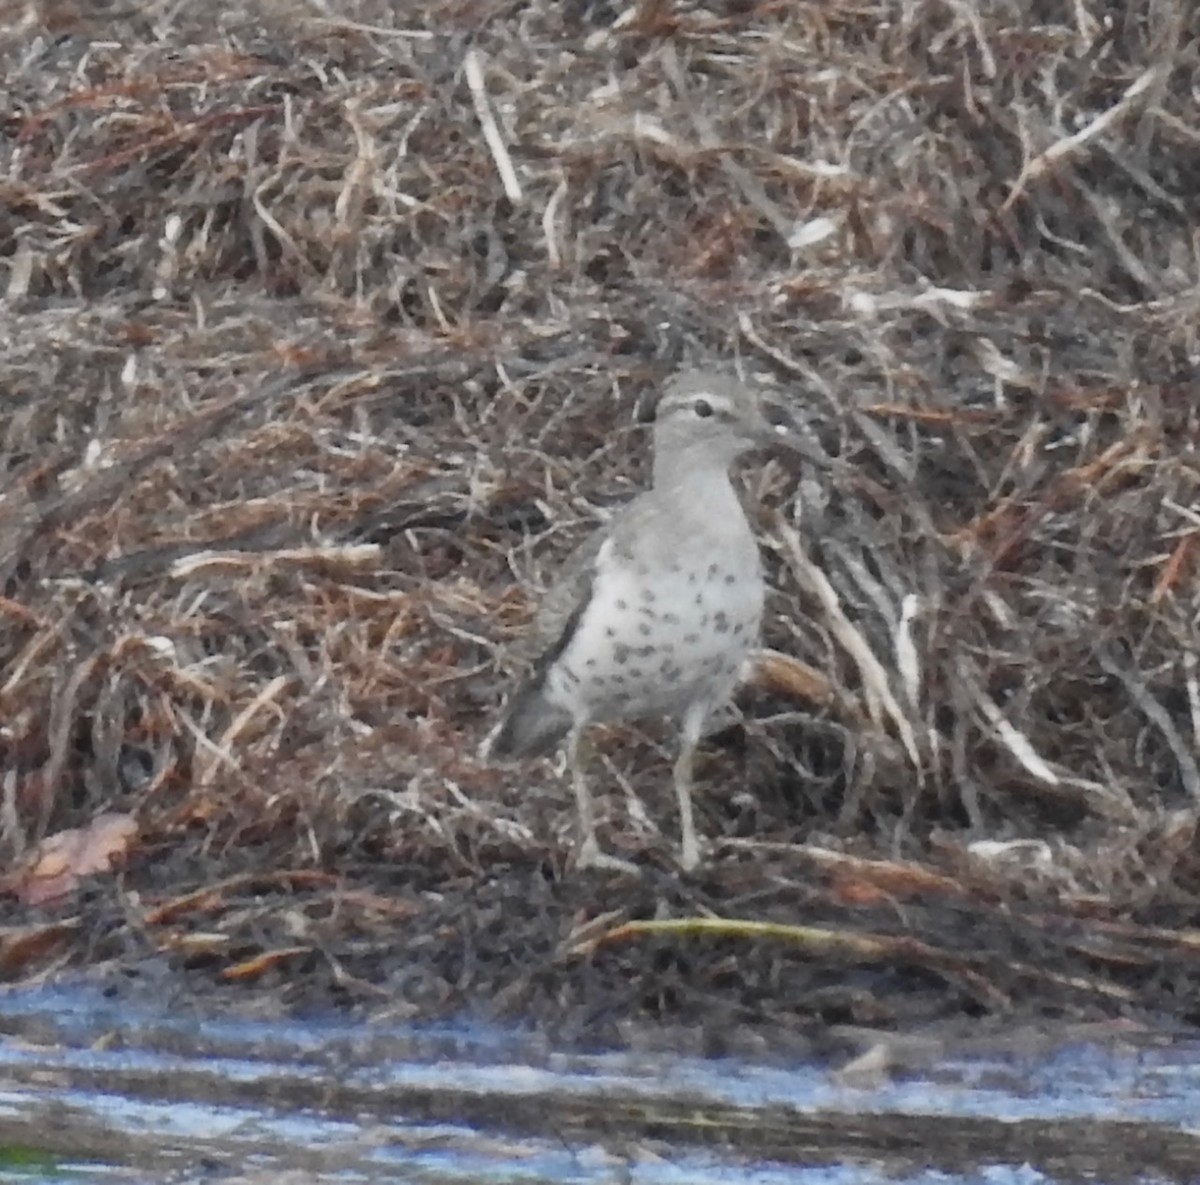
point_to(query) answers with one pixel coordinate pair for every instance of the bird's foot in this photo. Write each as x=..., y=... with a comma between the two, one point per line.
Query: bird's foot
x=591, y=855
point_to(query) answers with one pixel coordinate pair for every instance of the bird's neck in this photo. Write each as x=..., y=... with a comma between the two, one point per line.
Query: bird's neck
x=699, y=466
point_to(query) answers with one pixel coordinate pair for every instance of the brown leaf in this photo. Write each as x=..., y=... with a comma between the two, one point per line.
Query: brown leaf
x=59, y=861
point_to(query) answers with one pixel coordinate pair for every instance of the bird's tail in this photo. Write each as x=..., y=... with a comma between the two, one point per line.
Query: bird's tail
x=530, y=726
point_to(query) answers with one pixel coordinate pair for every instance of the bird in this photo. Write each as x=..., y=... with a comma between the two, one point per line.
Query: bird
x=655, y=613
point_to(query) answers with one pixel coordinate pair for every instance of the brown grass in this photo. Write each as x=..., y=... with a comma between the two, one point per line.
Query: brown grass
x=322, y=327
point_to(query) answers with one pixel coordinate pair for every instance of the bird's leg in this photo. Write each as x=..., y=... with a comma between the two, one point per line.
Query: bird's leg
x=689, y=738
x=583, y=796
x=590, y=854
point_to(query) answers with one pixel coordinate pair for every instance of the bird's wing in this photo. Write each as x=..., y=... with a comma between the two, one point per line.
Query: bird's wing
x=531, y=725
x=565, y=601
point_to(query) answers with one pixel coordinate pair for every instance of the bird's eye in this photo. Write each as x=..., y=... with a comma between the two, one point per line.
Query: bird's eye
x=702, y=408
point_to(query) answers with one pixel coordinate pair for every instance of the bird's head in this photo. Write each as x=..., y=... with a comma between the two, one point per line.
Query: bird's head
x=713, y=416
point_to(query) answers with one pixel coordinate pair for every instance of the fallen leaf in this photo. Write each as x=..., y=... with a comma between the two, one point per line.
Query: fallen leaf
x=60, y=861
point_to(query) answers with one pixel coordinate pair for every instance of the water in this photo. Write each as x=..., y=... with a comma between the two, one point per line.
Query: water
x=95, y=1090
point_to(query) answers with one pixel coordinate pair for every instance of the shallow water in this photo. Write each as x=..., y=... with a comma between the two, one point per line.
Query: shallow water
x=93, y=1089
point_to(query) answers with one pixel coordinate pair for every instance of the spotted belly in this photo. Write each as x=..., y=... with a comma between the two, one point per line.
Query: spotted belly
x=656, y=642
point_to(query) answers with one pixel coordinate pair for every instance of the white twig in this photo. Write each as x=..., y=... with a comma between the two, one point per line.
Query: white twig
x=216, y=753
x=1159, y=717
x=491, y=131
x=908, y=661
x=880, y=701
x=1069, y=145
x=549, y=224
x=1015, y=741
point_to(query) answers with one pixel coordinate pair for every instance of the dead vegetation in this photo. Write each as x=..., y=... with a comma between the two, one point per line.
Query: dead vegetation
x=322, y=327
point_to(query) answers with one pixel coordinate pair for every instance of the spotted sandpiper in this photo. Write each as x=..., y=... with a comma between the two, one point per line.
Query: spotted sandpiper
x=655, y=613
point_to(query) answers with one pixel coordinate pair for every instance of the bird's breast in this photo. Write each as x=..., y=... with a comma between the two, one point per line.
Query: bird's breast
x=662, y=631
